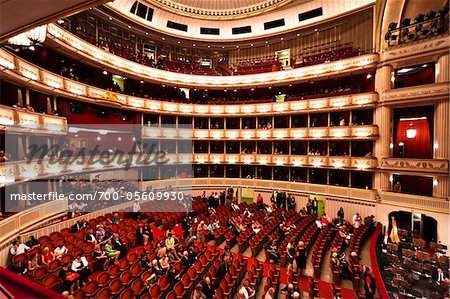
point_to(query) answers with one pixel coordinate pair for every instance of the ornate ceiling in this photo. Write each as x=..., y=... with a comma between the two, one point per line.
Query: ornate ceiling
x=259, y=18
x=219, y=9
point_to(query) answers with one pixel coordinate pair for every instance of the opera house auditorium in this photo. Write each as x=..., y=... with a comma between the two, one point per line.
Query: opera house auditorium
x=224, y=149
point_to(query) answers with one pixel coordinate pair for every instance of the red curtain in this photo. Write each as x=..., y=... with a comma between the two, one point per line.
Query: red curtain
x=419, y=146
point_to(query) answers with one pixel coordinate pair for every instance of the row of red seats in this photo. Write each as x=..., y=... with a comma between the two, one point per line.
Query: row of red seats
x=257, y=242
x=320, y=246
x=337, y=244
x=355, y=242
x=273, y=280
x=188, y=68
x=258, y=68
x=305, y=229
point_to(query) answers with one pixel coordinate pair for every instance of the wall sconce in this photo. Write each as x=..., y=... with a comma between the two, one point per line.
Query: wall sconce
x=391, y=178
x=435, y=182
x=411, y=132
x=391, y=145
x=436, y=145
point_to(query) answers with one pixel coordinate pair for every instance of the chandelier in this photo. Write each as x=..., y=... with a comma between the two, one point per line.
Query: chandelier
x=411, y=132
x=30, y=37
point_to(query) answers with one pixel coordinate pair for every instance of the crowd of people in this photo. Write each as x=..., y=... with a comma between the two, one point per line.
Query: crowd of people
x=108, y=248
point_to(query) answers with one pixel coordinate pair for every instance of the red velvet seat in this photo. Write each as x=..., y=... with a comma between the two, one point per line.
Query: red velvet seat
x=114, y=271
x=91, y=289
x=124, y=264
x=40, y=272
x=132, y=257
x=54, y=266
x=179, y=290
x=138, y=287
x=136, y=270
x=127, y=294
x=171, y=295
x=155, y=291
x=115, y=286
x=164, y=284
x=55, y=235
x=126, y=277
x=23, y=258
x=43, y=239
x=79, y=294
x=187, y=283
x=102, y=279
x=104, y=293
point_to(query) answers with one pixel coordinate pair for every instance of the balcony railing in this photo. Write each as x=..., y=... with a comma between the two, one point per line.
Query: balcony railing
x=26, y=73
x=42, y=123
x=416, y=165
x=83, y=48
x=412, y=202
x=17, y=171
x=346, y=162
x=424, y=92
x=345, y=132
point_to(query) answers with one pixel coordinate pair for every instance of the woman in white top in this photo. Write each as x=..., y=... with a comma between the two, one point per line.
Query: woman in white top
x=80, y=265
x=60, y=251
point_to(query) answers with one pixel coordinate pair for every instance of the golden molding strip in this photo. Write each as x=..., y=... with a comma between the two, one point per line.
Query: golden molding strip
x=28, y=74
x=21, y=119
x=73, y=43
x=326, y=133
x=219, y=14
x=16, y=171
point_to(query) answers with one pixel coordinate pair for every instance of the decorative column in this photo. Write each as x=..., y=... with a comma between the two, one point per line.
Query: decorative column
x=27, y=97
x=441, y=188
x=442, y=69
x=383, y=78
x=442, y=129
x=383, y=119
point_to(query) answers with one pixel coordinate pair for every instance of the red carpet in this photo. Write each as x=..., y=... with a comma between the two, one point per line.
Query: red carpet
x=382, y=292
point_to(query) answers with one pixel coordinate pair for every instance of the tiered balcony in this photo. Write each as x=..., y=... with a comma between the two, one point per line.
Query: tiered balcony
x=20, y=120
x=346, y=162
x=347, y=132
x=426, y=92
x=74, y=44
x=28, y=74
x=17, y=171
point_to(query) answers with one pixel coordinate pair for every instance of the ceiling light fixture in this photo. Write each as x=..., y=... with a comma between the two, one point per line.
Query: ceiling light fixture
x=31, y=37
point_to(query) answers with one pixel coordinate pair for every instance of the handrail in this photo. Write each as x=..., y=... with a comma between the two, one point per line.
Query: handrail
x=95, y=54
x=21, y=70
x=17, y=171
x=381, y=288
x=411, y=201
x=16, y=116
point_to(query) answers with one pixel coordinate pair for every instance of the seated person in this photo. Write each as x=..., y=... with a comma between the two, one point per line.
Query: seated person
x=46, y=257
x=33, y=262
x=18, y=267
x=80, y=265
x=245, y=292
x=69, y=278
x=289, y=290
x=111, y=253
x=32, y=242
x=59, y=251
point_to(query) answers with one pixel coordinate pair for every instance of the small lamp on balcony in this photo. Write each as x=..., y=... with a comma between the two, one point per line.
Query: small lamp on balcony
x=411, y=132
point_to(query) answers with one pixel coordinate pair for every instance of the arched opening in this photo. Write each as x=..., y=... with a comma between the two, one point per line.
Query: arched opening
x=420, y=225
